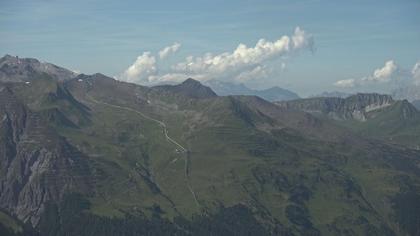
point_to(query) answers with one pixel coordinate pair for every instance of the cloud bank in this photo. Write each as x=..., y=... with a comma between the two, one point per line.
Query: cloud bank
x=345, y=83
x=244, y=60
x=241, y=64
x=389, y=73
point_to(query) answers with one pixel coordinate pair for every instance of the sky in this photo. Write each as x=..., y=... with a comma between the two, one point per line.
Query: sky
x=308, y=46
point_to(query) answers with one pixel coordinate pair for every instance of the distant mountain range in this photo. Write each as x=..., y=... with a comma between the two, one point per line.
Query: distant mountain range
x=411, y=93
x=375, y=115
x=335, y=94
x=271, y=94
x=354, y=107
x=91, y=155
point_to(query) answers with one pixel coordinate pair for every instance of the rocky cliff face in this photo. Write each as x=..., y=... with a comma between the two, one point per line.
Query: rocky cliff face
x=36, y=164
x=354, y=107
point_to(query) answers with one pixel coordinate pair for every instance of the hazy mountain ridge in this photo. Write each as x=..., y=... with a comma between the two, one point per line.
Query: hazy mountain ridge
x=113, y=162
x=411, y=93
x=374, y=115
x=353, y=107
x=336, y=94
x=270, y=94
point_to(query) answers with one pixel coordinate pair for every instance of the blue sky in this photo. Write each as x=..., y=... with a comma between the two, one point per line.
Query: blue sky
x=351, y=38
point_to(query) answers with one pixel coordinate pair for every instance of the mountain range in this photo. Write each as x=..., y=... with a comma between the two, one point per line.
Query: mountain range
x=91, y=155
x=411, y=93
x=375, y=115
x=271, y=94
x=334, y=94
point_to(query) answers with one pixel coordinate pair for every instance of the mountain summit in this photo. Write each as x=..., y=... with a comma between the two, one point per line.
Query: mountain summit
x=190, y=88
x=15, y=69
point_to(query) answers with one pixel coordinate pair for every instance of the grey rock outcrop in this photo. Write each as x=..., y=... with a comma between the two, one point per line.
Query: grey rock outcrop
x=354, y=107
x=36, y=164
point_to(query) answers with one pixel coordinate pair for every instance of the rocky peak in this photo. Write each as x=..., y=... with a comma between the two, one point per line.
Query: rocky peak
x=15, y=69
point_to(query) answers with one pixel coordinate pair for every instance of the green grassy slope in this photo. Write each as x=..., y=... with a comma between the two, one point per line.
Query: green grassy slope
x=291, y=171
x=398, y=123
x=234, y=140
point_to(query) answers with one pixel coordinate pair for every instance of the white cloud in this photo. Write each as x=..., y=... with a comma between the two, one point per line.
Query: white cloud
x=257, y=72
x=141, y=69
x=346, y=83
x=244, y=58
x=416, y=73
x=243, y=63
x=302, y=40
x=389, y=72
x=169, y=50
x=384, y=74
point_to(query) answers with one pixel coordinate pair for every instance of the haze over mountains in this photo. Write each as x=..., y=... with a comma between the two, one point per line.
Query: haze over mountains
x=91, y=155
x=270, y=94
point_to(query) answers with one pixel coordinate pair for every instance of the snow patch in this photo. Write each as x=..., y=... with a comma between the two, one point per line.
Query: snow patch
x=373, y=107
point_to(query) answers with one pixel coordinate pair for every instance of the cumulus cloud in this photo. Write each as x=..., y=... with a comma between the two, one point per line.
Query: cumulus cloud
x=165, y=52
x=257, y=72
x=384, y=74
x=388, y=74
x=302, y=40
x=390, y=71
x=244, y=58
x=345, y=83
x=416, y=73
x=242, y=64
x=141, y=69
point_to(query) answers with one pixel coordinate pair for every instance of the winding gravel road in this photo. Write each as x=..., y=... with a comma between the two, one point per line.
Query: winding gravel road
x=168, y=138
